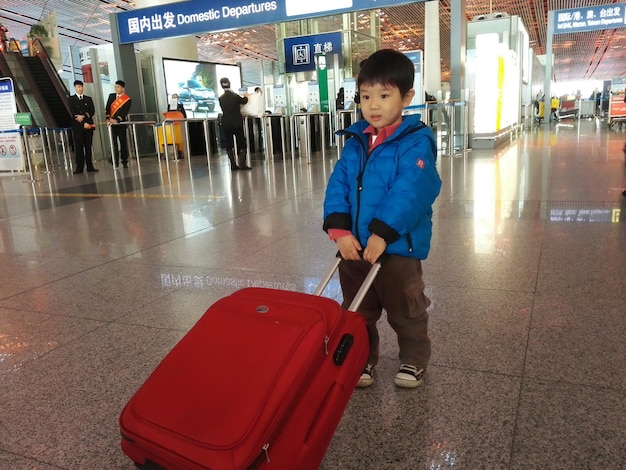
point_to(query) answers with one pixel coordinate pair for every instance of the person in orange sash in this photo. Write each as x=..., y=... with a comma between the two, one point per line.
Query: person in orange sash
x=117, y=109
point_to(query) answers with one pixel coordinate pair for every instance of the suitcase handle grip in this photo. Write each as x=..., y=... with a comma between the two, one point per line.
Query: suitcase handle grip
x=360, y=295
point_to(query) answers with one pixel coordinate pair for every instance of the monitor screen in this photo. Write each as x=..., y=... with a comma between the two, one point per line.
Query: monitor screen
x=197, y=84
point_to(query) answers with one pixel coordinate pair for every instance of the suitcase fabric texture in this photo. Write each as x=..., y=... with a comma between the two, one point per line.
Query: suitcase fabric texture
x=260, y=382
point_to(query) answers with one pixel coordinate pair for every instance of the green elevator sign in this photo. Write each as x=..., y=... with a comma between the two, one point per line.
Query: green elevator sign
x=322, y=79
x=23, y=119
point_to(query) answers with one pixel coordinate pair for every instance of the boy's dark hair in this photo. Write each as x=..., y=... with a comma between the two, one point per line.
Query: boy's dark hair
x=387, y=67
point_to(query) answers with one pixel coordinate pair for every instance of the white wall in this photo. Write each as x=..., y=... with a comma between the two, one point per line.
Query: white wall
x=585, y=87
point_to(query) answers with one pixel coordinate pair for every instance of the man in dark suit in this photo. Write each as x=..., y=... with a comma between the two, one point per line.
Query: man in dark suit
x=117, y=108
x=232, y=124
x=82, y=109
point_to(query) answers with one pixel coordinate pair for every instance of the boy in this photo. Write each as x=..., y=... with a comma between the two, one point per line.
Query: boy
x=379, y=199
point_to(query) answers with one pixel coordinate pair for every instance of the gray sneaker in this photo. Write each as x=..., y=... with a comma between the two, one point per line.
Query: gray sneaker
x=367, y=377
x=409, y=376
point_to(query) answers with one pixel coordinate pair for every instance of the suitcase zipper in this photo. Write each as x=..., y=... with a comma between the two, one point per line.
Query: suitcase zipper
x=265, y=449
x=326, y=340
x=257, y=461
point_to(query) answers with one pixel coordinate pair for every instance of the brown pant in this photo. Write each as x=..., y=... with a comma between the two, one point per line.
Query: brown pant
x=399, y=289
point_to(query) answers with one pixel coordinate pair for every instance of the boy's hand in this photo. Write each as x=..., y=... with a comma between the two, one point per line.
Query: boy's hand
x=375, y=247
x=349, y=247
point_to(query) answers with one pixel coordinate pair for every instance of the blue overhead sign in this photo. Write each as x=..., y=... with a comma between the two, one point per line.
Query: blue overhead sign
x=576, y=20
x=199, y=16
x=300, y=51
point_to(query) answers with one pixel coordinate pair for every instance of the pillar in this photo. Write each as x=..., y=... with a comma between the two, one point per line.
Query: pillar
x=432, y=48
x=458, y=46
x=549, y=68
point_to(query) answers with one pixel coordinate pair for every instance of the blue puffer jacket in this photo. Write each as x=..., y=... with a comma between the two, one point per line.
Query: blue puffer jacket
x=389, y=191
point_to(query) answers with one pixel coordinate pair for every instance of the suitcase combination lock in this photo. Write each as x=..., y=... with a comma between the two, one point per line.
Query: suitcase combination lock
x=343, y=348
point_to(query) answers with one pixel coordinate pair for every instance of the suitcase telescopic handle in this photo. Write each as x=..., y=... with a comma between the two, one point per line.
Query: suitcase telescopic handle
x=360, y=295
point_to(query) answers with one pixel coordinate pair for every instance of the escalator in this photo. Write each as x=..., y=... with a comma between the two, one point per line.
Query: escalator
x=26, y=88
x=39, y=87
x=53, y=92
x=5, y=71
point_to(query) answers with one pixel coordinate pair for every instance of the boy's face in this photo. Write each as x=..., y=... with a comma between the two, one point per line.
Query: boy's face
x=382, y=105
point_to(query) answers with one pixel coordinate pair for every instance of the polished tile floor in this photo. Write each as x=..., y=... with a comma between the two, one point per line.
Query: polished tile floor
x=101, y=274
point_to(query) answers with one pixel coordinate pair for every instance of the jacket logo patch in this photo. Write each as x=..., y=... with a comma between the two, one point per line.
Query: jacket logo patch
x=420, y=163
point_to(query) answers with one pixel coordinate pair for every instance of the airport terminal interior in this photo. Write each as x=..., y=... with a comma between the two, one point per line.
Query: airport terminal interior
x=103, y=273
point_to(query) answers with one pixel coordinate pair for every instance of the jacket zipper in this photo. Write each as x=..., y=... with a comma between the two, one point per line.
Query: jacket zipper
x=368, y=153
x=360, y=187
x=410, y=242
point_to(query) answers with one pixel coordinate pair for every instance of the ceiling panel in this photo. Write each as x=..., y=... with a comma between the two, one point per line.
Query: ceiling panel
x=589, y=55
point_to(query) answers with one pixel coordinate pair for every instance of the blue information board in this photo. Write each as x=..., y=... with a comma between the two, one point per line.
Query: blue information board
x=199, y=16
x=11, y=150
x=580, y=19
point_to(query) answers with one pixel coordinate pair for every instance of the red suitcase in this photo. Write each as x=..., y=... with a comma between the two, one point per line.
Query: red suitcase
x=260, y=382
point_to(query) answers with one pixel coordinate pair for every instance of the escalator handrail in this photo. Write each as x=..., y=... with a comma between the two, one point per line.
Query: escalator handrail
x=34, y=91
x=40, y=51
x=14, y=46
x=5, y=70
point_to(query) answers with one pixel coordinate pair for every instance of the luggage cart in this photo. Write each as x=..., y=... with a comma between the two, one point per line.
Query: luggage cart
x=587, y=108
x=568, y=109
x=555, y=104
x=617, y=110
x=173, y=133
x=540, y=110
